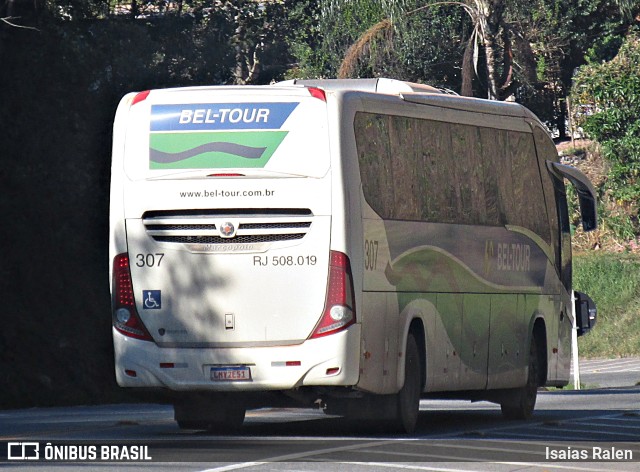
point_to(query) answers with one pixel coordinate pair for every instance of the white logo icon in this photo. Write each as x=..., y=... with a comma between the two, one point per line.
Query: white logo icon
x=23, y=451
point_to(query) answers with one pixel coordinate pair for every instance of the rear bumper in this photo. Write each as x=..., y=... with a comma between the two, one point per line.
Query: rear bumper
x=313, y=363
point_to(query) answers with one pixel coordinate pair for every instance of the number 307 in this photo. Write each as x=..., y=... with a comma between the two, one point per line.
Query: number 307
x=370, y=254
x=149, y=260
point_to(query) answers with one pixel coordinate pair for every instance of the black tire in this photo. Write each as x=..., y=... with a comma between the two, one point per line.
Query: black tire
x=408, y=398
x=520, y=404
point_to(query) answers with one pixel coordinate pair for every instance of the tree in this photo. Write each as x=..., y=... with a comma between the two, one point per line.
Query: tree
x=522, y=49
x=261, y=52
x=492, y=33
x=574, y=33
x=411, y=46
x=59, y=88
x=469, y=37
x=607, y=99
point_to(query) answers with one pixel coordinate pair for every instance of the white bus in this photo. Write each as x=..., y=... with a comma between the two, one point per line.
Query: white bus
x=356, y=244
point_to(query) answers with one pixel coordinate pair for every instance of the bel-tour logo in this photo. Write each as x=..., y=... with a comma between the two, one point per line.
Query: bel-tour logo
x=214, y=135
x=218, y=117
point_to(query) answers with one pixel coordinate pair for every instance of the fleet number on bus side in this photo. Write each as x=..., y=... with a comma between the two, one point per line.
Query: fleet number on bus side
x=370, y=254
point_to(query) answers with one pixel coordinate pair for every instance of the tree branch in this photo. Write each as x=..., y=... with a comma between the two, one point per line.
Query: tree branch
x=8, y=21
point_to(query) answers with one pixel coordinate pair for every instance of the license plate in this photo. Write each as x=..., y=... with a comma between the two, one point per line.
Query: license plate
x=230, y=373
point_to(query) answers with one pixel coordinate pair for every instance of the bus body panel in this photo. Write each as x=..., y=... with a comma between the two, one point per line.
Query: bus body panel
x=327, y=361
x=209, y=306
x=196, y=170
x=484, y=285
x=212, y=296
x=479, y=300
x=203, y=278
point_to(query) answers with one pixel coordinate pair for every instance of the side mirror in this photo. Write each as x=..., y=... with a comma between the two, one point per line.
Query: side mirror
x=586, y=313
x=584, y=188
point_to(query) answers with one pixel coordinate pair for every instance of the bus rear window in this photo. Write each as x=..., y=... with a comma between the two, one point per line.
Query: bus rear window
x=211, y=137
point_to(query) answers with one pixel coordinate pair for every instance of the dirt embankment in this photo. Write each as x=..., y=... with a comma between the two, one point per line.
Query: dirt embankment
x=615, y=231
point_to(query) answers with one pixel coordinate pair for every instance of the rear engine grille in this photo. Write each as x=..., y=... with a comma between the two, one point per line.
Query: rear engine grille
x=219, y=240
x=204, y=227
x=306, y=224
x=178, y=227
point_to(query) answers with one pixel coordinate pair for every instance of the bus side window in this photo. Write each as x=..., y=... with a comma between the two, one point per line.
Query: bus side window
x=565, y=233
x=555, y=199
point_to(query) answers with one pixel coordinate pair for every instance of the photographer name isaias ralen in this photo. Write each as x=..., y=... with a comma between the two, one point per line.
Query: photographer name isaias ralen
x=594, y=453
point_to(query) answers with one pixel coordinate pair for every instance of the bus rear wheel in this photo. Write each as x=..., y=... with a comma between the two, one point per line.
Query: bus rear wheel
x=408, y=398
x=520, y=403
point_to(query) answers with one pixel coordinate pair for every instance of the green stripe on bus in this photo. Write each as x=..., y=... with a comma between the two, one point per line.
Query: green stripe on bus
x=246, y=149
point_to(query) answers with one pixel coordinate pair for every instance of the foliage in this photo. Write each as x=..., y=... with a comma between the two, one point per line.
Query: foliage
x=431, y=44
x=303, y=37
x=261, y=54
x=613, y=282
x=59, y=87
x=401, y=40
x=534, y=46
x=560, y=34
x=607, y=98
x=339, y=24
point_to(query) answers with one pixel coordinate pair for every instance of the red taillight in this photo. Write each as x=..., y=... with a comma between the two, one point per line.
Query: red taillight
x=340, y=307
x=140, y=97
x=318, y=93
x=125, y=315
x=226, y=174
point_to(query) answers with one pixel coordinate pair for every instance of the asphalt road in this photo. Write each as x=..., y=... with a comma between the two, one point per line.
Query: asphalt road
x=588, y=427
x=602, y=373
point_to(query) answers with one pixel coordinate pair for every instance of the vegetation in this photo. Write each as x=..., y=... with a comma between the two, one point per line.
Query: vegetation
x=523, y=50
x=607, y=106
x=613, y=281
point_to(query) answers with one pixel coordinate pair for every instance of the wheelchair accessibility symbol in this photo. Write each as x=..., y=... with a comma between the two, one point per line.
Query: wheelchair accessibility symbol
x=152, y=299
